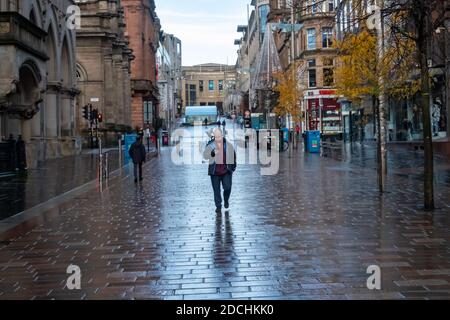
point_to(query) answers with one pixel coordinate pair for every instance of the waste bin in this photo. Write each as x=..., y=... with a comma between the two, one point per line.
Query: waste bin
x=165, y=138
x=312, y=141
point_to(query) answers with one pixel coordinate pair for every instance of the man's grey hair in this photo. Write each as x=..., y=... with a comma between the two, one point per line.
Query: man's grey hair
x=217, y=130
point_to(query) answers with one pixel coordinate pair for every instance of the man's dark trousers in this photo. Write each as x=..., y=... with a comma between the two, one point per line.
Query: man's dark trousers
x=226, y=181
x=136, y=166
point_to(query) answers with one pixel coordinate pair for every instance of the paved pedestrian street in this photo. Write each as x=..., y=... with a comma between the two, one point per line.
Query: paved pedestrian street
x=309, y=232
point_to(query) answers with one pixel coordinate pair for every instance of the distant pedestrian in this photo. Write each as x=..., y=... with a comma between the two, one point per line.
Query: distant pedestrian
x=224, y=124
x=222, y=164
x=138, y=155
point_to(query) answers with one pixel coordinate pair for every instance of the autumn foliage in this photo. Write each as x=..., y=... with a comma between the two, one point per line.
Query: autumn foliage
x=290, y=92
x=361, y=71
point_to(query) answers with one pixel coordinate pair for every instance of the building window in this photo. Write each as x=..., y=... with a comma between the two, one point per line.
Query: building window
x=313, y=6
x=311, y=39
x=328, y=61
x=148, y=112
x=312, y=78
x=328, y=78
x=211, y=85
x=327, y=37
x=263, y=12
x=220, y=85
x=202, y=104
x=200, y=85
x=330, y=5
x=312, y=63
x=193, y=94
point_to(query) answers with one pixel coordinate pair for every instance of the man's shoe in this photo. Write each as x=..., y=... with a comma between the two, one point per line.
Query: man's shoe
x=135, y=180
x=218, y=210
x=227, y=205
x=140, y=179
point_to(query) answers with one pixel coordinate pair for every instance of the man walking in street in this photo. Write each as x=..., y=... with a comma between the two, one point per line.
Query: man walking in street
x=222, y=164
x=138, y=155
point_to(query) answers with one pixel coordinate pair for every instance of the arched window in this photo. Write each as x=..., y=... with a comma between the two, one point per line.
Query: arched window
x=81, y=73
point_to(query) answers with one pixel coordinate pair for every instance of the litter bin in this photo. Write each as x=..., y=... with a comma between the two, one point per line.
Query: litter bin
x=312, y=141
x=165, y=138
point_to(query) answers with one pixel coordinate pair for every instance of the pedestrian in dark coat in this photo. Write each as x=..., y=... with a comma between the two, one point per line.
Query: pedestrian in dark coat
x=222, y=164
x=138, y=155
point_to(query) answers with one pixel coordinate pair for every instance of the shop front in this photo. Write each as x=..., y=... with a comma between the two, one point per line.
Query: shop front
x=324, y=112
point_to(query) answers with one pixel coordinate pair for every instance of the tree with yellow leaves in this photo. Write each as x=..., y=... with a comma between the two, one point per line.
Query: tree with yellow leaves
x=407, y=28
x=363, y=71
x=290, y=92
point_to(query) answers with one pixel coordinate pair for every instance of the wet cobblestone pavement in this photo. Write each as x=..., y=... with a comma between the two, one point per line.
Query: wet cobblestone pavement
x=24, y=190
x=309, y=232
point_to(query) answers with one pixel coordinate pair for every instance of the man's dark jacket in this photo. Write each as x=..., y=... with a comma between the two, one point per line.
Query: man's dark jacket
x=230, y=160
x=137, y=152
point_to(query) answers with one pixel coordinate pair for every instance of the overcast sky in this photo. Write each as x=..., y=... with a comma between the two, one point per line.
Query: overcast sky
x=207, y=28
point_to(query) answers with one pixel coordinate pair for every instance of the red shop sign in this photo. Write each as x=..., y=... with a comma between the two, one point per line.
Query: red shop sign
x=327, y=92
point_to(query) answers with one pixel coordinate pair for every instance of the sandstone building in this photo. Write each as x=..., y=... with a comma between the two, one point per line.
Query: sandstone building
x=142, y=32
x=205, y=84
x=103, y=63
x=37, y=77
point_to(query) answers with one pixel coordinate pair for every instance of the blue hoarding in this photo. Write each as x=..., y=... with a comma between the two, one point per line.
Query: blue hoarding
x=129, y=140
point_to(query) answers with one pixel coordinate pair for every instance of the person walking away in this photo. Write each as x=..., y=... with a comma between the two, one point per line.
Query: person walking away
x=138, y=155
x=222, y=164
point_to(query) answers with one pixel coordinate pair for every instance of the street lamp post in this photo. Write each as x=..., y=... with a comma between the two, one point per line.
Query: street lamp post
x=447, y=65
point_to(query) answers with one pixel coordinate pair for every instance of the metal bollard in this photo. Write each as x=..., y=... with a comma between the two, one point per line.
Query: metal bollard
x=120, y=152
x=100, y=167
x=106, y=166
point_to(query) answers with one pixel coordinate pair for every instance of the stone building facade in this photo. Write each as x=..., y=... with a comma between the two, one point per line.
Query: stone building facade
x=204, y=85
x=248, y=53
x=103, y=63
x=169, y=62
x=142, y=32
x=314, y=51
x=405, y=116
x=37, y=77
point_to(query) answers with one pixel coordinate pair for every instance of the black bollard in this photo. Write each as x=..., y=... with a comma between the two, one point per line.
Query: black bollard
x=12, y=153
x=21, y=154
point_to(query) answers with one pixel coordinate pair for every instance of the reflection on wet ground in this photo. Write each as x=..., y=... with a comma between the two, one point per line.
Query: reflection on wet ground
x=24, y=190
x=52, y=178
x=403, y=160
